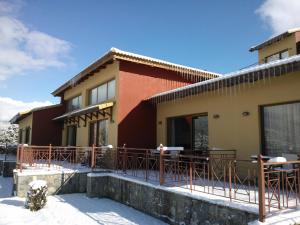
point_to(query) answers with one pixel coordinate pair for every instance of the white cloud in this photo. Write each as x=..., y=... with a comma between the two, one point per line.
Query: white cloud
x=23, y=49
x=10, y=107
x=280, y=15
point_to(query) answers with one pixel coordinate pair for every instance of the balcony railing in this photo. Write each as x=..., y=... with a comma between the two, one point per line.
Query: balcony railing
x=218, y=172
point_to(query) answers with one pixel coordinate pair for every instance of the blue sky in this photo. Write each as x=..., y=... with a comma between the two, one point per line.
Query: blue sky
x=53, y=40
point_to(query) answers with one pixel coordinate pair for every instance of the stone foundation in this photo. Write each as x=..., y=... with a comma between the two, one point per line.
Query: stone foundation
x=171, y=207
x=58, y=182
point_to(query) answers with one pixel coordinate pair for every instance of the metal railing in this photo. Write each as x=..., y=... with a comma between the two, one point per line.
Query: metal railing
x=218, y=172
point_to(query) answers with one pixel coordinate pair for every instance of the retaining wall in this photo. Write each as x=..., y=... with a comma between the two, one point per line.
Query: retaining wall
x=59, y=182
x=169, y=206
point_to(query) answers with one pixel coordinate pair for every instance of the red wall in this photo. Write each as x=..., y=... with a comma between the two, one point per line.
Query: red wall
x=137, y=119
x=45, y=131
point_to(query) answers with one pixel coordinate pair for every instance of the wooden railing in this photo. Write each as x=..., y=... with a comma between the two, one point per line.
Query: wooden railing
x=217, y=172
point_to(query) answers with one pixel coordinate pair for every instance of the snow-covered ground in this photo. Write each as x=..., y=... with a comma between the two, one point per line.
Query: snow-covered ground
x=72, y=209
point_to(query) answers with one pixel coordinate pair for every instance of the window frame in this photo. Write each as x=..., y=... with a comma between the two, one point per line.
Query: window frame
x=106, y=90
x=70, y=105
x=279, y=53
x=262, y=122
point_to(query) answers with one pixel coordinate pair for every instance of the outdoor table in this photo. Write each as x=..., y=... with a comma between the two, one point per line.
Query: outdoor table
x=255, y=157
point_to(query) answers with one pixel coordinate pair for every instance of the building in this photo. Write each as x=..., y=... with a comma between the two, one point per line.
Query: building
x=254, y=110
x=105, y=102
x=36, y=126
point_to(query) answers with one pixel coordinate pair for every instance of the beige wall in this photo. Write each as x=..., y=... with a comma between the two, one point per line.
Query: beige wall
x=23, y=124
x=232, y=130
x=286, y=43
x=110, y=72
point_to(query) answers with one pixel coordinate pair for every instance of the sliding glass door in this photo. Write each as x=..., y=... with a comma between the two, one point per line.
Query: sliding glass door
x=98, y=133
x=281, y=130
x=190, y=132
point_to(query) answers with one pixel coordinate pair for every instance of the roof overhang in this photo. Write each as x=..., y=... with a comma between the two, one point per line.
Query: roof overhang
x=249, y=75
x=21, y=115
x=104, y=109
x=116, y=54
x=274, y=39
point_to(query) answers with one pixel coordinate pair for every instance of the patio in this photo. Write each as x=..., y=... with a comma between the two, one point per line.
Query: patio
x=218, y=173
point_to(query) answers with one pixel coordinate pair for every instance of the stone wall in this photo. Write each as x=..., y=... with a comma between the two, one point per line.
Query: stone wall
x=58, y=182
x=171, y=207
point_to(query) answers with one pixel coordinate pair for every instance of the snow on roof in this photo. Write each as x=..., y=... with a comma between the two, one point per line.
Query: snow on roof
x=272, y=64
x=115, y=53
x=274, y=39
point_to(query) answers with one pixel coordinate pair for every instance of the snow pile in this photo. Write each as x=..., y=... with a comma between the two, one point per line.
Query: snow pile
x=37, y=195
x=75, y=209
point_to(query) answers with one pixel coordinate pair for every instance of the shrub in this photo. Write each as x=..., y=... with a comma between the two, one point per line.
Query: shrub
x=36, y=195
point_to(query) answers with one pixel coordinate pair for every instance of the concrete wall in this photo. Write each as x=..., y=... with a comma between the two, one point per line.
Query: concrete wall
x=232, y=130
x=58, y=182
x=171, y=207
x=284, y=44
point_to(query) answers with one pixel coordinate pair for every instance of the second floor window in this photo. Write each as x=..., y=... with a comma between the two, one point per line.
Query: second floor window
x=277, y=56
x=102, y=93
x=74, y=103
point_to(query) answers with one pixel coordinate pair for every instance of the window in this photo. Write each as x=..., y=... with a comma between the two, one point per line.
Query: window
x=74, y=103
x=27, y=135
x=71, y=135
x=190, y=132
x=298, y=47
x=280, y=55
x=281, y=129
x=20, y=136
x=102, y=93
x=99, y=133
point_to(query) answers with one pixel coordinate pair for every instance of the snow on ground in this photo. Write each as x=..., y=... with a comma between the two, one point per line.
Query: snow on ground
x=72, y=209
x=6, y=185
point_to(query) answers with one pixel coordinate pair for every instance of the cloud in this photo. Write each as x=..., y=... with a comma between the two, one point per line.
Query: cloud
x=23, y=49
x=10, y=107
x=280, y=15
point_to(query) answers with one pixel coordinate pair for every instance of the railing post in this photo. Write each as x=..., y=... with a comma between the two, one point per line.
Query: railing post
x=93, y=157
x=161, y=165
x=230, y=180
x=191, y=175
x=124, y=158
x=21, y=157
x=49, y=157
x=261, y=189
x=18, y=156
x=147, y=164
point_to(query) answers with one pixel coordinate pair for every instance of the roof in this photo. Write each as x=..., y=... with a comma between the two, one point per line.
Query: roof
x=274, y=39
x=114, y=54
x=251, y=74
x=21, y=115
x=85, y=110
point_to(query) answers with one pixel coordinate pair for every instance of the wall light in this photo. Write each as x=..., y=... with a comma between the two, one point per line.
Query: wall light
x=246, y=113
x=216, y=116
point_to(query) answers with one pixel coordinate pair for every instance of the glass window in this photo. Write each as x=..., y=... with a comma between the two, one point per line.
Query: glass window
x=111, y=89
x=102, y=93
x=74, y=103
x=273, y=57
x=27, y=135
x=93, y=96
x=284, y=55
x=71, y=135
x=281, y=129
x=190, y=132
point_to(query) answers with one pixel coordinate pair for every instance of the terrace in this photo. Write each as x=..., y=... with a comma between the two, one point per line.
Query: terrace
x=265, y=187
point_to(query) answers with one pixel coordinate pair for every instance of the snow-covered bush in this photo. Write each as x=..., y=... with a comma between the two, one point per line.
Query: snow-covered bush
x=36, y=195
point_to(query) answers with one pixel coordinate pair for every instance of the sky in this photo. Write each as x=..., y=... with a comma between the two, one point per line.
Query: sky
x=44, y=43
